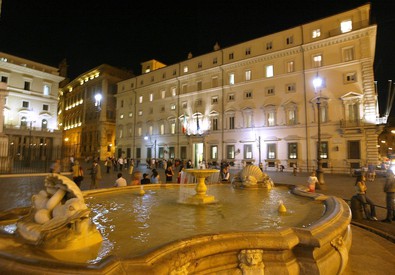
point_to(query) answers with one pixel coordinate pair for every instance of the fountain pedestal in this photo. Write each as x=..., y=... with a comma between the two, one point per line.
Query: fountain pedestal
x=201, y=197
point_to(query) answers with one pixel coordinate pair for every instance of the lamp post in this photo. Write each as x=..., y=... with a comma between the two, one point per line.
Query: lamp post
x=317, y=82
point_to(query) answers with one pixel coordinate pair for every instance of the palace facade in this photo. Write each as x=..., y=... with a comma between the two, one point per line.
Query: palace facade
x=256, y=102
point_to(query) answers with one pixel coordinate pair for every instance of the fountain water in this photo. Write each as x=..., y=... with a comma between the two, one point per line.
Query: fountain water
x=243, y=232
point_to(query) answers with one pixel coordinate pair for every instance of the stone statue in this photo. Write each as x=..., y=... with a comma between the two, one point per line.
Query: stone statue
x=252, y=176
x=59, y=217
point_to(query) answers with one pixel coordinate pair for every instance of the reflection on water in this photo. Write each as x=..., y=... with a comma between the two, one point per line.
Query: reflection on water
x=133, y=224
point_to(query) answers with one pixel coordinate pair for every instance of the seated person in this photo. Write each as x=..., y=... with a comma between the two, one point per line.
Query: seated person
x=121, y=181
x=145, y=179
x=225, y=174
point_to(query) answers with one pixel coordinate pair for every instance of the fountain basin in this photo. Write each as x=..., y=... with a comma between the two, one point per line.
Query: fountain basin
x=308, y=247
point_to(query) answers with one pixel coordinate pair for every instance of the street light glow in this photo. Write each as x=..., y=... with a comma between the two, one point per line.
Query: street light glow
x=317, y=82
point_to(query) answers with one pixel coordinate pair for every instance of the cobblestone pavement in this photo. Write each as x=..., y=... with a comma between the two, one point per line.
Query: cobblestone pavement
x=367, y=247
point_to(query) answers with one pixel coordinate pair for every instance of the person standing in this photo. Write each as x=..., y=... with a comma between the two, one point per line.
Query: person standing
x=131, y=168
x=169, y=173
x=78, y=173
x=361, y=188
x=108, y=164
x=155, y=176
x=121, y=181
x=389, y=189
x=312, y=181
x=95, y=172
x=294, y=169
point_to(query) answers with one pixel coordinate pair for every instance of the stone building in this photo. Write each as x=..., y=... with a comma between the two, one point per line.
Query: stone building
x=29, y=98
x=87, y=112
x=256, y=102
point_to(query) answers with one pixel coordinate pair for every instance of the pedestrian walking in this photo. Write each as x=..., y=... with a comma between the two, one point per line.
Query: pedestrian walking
x=389, y=189
x=95, y=172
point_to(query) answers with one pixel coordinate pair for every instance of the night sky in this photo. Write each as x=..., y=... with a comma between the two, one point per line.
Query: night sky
x=125, y=33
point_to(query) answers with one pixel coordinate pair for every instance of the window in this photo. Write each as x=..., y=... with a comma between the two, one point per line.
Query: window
x=317, y=60
x=350, y=77
x=324, y=149
x=46, y=89
x=173, y=128
x=200, y=65
x=248, y=95
x=231, y=56
x=291, y=117
x=184, y=88
x=173, y=91
x=271, y=151
x=199, y=85
x=149, y=152
x=290, y=88
x=4, y=79
x=26, y=86
x=141, y=99
x=23, y=121
x=214, y=152
x=172, y=153
x=290, y=67
x=138, y=152
x=248, y=75
x=290, y=40
x=353, y=112
x=150, y=130
x=269, y=91
x=162, y=129
x=161, y=152
x=271, y=118
x=44, y=124
x=172, y=106
x=354, y=149
x=214, y=82
x=231, y=79
x=185, y=69
x=140, y=112
x=184, y=105
x=163, y=93
x=346, y=26
x=231, y=97
x=25, y=104
x=151, y=97
x=121, y=116
x=215, y=60
x=324, y=112
x=269, y=71
x=269, y=45
x=121, y=103
x=214, y=124
x=130, y=114
x=45, y=107
x=214, y=100
x=316, y=33
x=247, y=151
x=198, y=102
x=348, y=54
x=230, y=151
x=162, y=109
x=248, y=51
x=292, y=150
x=231, y=122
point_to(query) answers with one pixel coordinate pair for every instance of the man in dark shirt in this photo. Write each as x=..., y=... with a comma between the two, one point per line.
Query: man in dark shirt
x=145, y=179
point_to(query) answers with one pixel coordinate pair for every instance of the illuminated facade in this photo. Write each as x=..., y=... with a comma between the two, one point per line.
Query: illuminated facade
x=87, y=112
x=30, y=109
x=255, y=101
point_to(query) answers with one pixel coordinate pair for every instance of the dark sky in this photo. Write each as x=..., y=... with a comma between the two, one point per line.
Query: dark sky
x=125, y=33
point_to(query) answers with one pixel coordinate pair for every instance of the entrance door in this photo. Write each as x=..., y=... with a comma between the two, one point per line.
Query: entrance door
x=198, y=153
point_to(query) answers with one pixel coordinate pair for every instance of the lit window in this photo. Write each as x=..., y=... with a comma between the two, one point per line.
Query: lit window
x=163, y=93
x=173, y=128
x=317, y=60
x=173, y=91
x=231, y=79
x=139, y=131
x=151, y=97
x=140, y=113
x=121, y=116
x=172, y=106
x=346, y=26
x=150, y=130
x=348, y=54
x=46, y=90
x=214, y=151
x=141, y=99
x=247, y=151
x=271, y=150
x=316, y=33
x=130, y=114
x=290, y=66
x=292, y=150
x=185, y=69
x=230, y=151
x=248, y=75
x=162, y=129
x=291, y=117
x=269, y=71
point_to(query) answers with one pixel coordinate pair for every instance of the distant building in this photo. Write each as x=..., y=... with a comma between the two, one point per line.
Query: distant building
x=255, y=101
x=87, y=112
x=30, y=110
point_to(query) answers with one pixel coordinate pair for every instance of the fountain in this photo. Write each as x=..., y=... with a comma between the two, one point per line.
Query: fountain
x=243, y=233
x=200, y=197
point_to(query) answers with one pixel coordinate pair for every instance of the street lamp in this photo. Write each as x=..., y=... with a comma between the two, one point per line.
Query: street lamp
x=98, y=98
x=317, y=82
